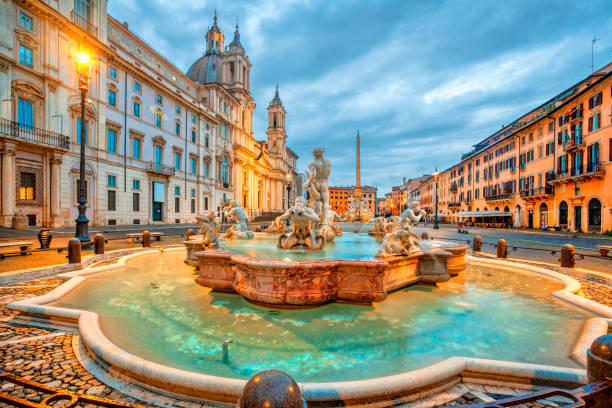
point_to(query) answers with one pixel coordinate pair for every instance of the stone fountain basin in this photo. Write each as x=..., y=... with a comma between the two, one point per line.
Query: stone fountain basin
x=311, y=283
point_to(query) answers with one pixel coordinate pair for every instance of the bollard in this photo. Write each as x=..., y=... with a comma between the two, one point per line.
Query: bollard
x=189, y=234
x=146, y=239
x=599, y=368
x=98, y=244
x=74, y=251
x=502, y=248
x=273, y=389
x=424, y=236
x=477, y=244
x=568, y=256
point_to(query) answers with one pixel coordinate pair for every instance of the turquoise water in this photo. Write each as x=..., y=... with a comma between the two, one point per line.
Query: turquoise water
x=152, y=308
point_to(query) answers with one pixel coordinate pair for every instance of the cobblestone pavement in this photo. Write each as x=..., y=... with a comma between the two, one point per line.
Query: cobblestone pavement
x=47, y=356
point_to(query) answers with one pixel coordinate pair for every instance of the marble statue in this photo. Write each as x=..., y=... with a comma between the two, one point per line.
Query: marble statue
x=303, y=225
x=413, y=213
x=399, y=239
x=317, y=183
x=276, y=227
x=240, y=229
x=208, y=230
x=330, y=230
x=358, y=212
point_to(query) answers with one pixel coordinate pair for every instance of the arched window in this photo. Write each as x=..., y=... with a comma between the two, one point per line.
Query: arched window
x=543, y=215
x=594, y=214
x=563, y=213
x=274, y=121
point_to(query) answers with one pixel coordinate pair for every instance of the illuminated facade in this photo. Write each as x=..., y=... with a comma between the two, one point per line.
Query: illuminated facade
x=341, y=198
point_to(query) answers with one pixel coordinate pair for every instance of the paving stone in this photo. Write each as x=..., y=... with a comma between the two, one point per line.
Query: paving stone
x=97, y=390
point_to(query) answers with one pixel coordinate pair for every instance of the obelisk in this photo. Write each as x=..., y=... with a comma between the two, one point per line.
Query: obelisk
x=358, y=171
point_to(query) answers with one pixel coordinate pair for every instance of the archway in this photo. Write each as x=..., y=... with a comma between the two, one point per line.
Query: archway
x=543, y=216
x=563, y=211
x=594, y=215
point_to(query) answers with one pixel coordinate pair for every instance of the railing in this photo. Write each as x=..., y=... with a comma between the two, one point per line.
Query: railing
x=498, y=197
x=538, y=191
x=576, y=171
x=451, y=205
x=84, y=23
x=594, y=167
x=572, y=142
x=160, y=168
x=33, y=135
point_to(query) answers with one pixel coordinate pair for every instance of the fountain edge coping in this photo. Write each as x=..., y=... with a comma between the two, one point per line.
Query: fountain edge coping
x=163, y=376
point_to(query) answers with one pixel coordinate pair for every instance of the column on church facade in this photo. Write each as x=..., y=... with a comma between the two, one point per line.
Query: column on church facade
x=8, y=183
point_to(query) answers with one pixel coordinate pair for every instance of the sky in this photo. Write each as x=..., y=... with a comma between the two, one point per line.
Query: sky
x=422, y=81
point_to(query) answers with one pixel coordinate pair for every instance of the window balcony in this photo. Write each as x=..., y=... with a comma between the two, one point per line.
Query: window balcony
x=84, y=23
x=454, y=205
x=575, y=142
x=30, y=134
x=576, y=171
x=537, y=192
x=500, y=197
x=160, y=168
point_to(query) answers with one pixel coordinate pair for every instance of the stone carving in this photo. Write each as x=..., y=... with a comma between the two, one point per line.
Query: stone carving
x=413, y=213
x=240, y=229
x=358, y=212
x=208, y=230
x=303, y=235
x=276, y=227
x=399, y=239
x=329, y=230
x=317, y=183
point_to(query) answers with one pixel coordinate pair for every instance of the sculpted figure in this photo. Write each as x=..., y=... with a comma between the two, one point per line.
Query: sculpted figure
x=329, y=230
x=379, y=226
x=208, y=229
x=239, y=230
x=358, y=212
x=303, y=220
x=397, y=243
x=317, y=182
x=276, y=227
x=413, y=213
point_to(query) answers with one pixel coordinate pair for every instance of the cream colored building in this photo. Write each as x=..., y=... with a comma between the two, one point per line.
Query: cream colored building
x=161, y=145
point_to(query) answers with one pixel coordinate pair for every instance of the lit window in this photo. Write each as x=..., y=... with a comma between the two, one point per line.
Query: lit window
x=112, y=98
x=112, y=181
x=137, y=87
x=25, y=56
x=112, y=72
x=25, y=20
x=136, y=184
x=26, y=186
x=111, y=142
x=136, y=109
x=158, y=99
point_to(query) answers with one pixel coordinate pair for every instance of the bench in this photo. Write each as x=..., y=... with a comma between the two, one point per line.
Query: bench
x=22, y=245
x=137, y=236
x=604, y=249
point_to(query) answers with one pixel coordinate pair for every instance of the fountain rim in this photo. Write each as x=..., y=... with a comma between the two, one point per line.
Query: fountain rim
x=183, y=383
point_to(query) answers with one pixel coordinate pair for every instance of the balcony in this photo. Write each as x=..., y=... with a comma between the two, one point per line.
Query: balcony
x=84, y=23
x=453, y=205
x=160, y=168
x=499, y=197
x=595, y=169
x=576, y=171
x=453, y=188
x=538, y=192
x=575, y=142
x=33, y=135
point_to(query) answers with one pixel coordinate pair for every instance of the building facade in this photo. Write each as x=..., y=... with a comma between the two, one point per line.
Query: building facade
x=340, y=198
x=549, y=168
x=161, y=145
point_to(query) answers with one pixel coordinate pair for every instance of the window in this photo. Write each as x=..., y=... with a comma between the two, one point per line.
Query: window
x=177, y=204
x=137, y=87
x=25, y=20
x=177, y=109
x=157, y=120
x=136, y=148
x=135, y=202
x=27, y=186
x=177, y=129
x=112, y=98
x=177, y=190
x=193, y=193
x=193, y=206
x=206, y=142
x=207, y=166
x=25, y=112
x=112, y=200
x=111, y=180
x=136, y=184
x=158, y=154
x=177, y=160
x=193, y=136
x=112, y=72
x=193, y=118
x=531, y=137
x=594, y=122
x=25, y=56
x=78, y=132
x=158, y=99
x=595, y=101
x=193, y=166
x=81, y=7
x=111, y=141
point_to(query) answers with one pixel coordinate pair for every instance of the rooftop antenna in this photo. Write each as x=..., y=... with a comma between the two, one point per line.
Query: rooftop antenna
x=593, y=41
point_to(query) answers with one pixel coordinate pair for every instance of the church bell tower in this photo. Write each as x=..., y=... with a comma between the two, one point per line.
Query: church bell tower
x=277, y=134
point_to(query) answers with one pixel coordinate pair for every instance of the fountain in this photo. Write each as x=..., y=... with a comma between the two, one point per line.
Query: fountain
x=358, y=212
x=398, y=263
x=240, y=230
x=205, y=239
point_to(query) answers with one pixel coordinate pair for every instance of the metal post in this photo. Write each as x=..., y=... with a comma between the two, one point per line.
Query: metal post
x=82, y=227
x=436, y=226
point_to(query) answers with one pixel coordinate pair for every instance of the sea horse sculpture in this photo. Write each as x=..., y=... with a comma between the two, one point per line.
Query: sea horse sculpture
x=240, y=229
x=399, y=239
x=208, y=230
x=303, y=224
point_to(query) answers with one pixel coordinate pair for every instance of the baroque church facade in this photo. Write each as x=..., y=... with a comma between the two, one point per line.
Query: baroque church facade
x=161, y=145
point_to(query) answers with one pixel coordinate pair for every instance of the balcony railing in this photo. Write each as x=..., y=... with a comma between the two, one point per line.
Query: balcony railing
x=594, y=167
x=160, y=168
x=538, y=191
x=499, y=197
x=452, y=205
x=33, y=135
x=576, y=171
x=573, y=142
x=84, y=23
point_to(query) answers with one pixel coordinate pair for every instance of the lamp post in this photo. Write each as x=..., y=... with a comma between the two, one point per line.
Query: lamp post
x=436, y=226
x=82, y=223
x=288, y=178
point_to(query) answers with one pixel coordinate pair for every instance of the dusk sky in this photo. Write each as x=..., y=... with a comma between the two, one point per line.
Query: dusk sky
x=421, y=81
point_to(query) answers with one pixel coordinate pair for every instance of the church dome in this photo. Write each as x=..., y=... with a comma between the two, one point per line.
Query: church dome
x=206, y=69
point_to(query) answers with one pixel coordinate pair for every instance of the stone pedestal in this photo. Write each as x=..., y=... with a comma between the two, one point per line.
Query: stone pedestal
x=20, y=221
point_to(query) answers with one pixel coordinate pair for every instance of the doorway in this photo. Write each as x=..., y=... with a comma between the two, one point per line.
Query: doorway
x=159, y=195
x=594, y=215
x=577, y=218
x=530, y=218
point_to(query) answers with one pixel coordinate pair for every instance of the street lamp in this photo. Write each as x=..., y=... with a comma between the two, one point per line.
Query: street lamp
x=288, y=177
x=82, y=223
x=436, y=226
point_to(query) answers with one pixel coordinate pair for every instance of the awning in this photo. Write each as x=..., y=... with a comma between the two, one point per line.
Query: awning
x=480, y=214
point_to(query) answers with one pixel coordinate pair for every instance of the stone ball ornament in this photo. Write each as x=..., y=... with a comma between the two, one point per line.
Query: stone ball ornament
x=271, y=389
